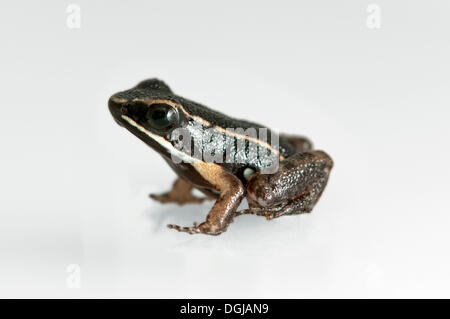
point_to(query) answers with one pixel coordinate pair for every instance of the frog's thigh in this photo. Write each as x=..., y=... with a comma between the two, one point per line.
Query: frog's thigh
x=299, y=143
x=294, y=188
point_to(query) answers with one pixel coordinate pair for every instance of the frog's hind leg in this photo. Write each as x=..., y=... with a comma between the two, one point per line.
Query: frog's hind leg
x=294, y=189
x=180, y=194
x=302, y=204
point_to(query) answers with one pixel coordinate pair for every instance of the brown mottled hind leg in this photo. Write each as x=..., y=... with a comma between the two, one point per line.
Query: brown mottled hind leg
x=302, y=204
x=294, y=189
x=181, y=194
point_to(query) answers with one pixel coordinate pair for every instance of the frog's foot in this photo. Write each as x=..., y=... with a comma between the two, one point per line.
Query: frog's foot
x=180, y=194
x=269, y=213
x=250, y=211
x=259, y=212
x=190, y=230
x=203, y=228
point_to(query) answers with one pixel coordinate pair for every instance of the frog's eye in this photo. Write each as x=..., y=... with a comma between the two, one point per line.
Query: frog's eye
x=162, y=117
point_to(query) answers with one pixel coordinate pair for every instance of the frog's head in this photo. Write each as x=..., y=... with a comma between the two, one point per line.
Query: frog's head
x=150, y=111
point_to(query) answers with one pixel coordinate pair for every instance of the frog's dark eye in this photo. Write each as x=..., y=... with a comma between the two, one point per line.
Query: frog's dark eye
x=162, y=117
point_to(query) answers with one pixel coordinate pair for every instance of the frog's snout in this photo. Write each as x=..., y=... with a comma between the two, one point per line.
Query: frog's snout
x=116, y=109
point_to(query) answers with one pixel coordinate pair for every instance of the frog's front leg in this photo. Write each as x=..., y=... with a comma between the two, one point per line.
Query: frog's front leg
x=294, y=189
x=181, y=194
x=221, y=214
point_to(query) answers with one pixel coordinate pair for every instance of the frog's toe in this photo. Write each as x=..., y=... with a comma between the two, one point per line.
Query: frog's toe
x=269, y=216
x=268, y=213
x=203, y=228
x=249, y=211
x=163, y=198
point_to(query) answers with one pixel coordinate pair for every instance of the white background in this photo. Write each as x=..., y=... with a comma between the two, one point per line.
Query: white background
x=74, y=185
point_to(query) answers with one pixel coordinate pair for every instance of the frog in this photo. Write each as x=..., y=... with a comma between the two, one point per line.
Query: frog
x=152, y=112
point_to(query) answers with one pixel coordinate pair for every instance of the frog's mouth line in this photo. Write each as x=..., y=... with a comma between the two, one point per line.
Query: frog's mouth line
x=160, y=141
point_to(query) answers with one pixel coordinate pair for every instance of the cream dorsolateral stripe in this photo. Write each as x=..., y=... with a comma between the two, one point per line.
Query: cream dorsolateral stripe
x=149, y=102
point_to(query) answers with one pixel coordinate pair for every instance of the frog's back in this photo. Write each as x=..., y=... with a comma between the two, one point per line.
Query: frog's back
x=214, y=118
